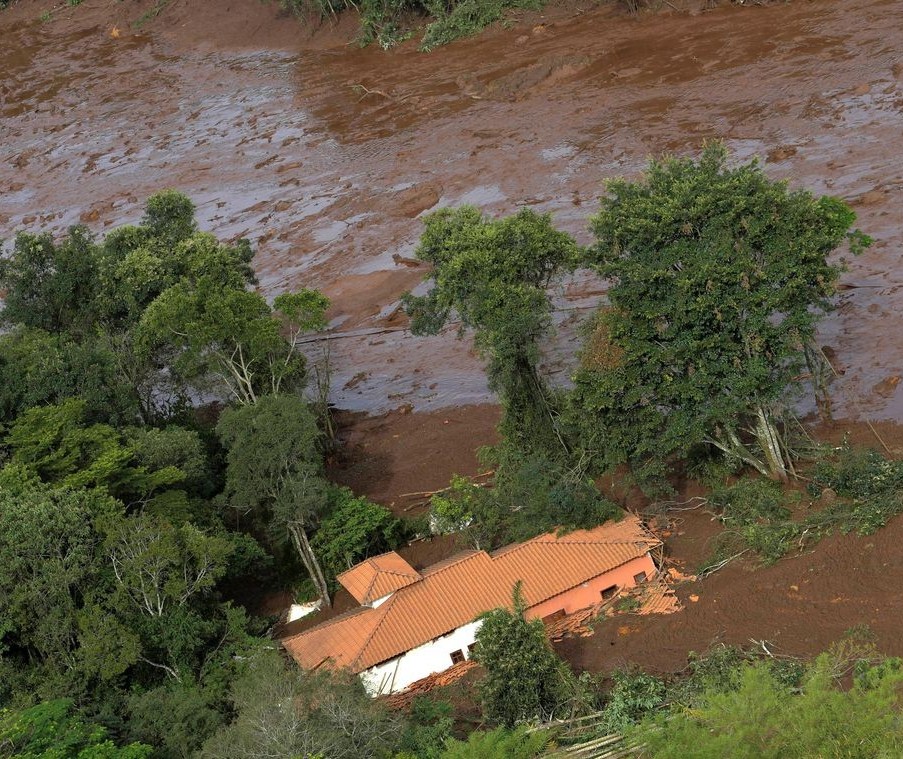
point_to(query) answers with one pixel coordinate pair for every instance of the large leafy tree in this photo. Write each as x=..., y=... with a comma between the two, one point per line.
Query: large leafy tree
x=719, y=278
x=50, y=730
x=493, y=275
x=763, y=718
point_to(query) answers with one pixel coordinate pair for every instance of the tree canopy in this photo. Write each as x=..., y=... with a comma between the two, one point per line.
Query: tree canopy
x=719, y=278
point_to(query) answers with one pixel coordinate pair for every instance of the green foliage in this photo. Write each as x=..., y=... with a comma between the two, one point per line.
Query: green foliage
x=354, y=529
x=720, y=276
x=429, y=727
x=493, y=274
x=633, y=696
x=525, y=680
x=226, y=336
x=174, y=719
x=869, y=490
x=463, y=18
x=47, y=561
x=539, y=494
x=158, y=566
x=472, y=512
x=274, y=473
x=50, y=731
x=48, y=286
x=293, y=713
x=38, y=368
x=764, y=718
x=274, y=468
x=501, y=743
x=56, y=444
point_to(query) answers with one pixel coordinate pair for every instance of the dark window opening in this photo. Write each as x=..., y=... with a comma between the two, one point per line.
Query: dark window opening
x=609, y=593
x=457, y=656
x=553, y=617
x=470, y=650
x=639, y=578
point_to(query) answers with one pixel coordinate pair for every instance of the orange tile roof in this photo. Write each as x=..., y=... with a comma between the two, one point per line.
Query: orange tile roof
x=459, y=591
x=377, y=577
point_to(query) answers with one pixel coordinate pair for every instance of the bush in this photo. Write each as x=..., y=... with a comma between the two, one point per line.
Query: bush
x=525, y=679
x=500, y=743
x=465, y=18
x=355, y=529
x=763, y=718
x=632, y=697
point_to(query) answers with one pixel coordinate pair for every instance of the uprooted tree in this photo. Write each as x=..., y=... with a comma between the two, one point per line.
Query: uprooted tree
x=720, y=276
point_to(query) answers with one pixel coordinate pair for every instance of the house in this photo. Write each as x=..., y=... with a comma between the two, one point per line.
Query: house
x=412, y=624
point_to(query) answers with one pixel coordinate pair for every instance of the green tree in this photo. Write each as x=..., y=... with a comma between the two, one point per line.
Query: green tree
x=501, y=743
x=38, y=368
x=291, y=713
x=761, y=718
x=47, y=561
x=48, y=286
x=525, y=679
x=493, y=274
x=59, y=446
x=159, y=566
x=274, y=472
x=50, y=730
x=354, y=529
x=232, y=336
x=719, y=278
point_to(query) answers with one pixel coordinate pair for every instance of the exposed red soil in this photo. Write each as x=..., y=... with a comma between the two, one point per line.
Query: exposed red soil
x=398, y=458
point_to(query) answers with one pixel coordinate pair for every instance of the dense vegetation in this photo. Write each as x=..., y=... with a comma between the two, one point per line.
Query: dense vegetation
x=719, y=276
x=133, y=512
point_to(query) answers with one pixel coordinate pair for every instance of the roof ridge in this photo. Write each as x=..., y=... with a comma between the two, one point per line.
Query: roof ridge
x=384, y=608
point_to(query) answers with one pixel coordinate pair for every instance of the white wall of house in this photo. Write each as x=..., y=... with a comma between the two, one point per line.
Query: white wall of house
x=435, y=656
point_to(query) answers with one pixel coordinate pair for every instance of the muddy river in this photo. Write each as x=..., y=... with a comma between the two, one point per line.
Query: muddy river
x=324, y=155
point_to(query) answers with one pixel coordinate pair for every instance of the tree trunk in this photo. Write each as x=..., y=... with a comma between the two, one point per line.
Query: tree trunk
x=767, y=437
x=302, y=546
x=729, y=442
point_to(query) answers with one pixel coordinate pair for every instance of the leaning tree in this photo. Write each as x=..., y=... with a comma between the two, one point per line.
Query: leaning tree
x=719, y=277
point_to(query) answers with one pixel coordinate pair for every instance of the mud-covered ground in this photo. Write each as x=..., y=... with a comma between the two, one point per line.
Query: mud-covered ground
x=325, y=155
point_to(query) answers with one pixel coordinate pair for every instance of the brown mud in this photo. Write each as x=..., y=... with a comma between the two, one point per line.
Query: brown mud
x=325, y=154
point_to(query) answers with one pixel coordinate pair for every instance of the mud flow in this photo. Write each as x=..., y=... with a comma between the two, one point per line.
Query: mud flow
x=325, y=155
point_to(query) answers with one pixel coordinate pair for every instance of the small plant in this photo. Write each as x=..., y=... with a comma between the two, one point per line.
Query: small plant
x=628, y=605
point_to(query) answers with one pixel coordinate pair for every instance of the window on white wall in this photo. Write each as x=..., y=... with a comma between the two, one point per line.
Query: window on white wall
x=457, y=656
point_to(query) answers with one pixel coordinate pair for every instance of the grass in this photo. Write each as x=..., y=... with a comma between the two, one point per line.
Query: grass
x=151, y=14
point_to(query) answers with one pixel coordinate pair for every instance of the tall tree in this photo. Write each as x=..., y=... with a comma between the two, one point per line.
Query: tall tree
x=293, y=713
x=275, y=473
x=720, y=276
x=493, y=274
